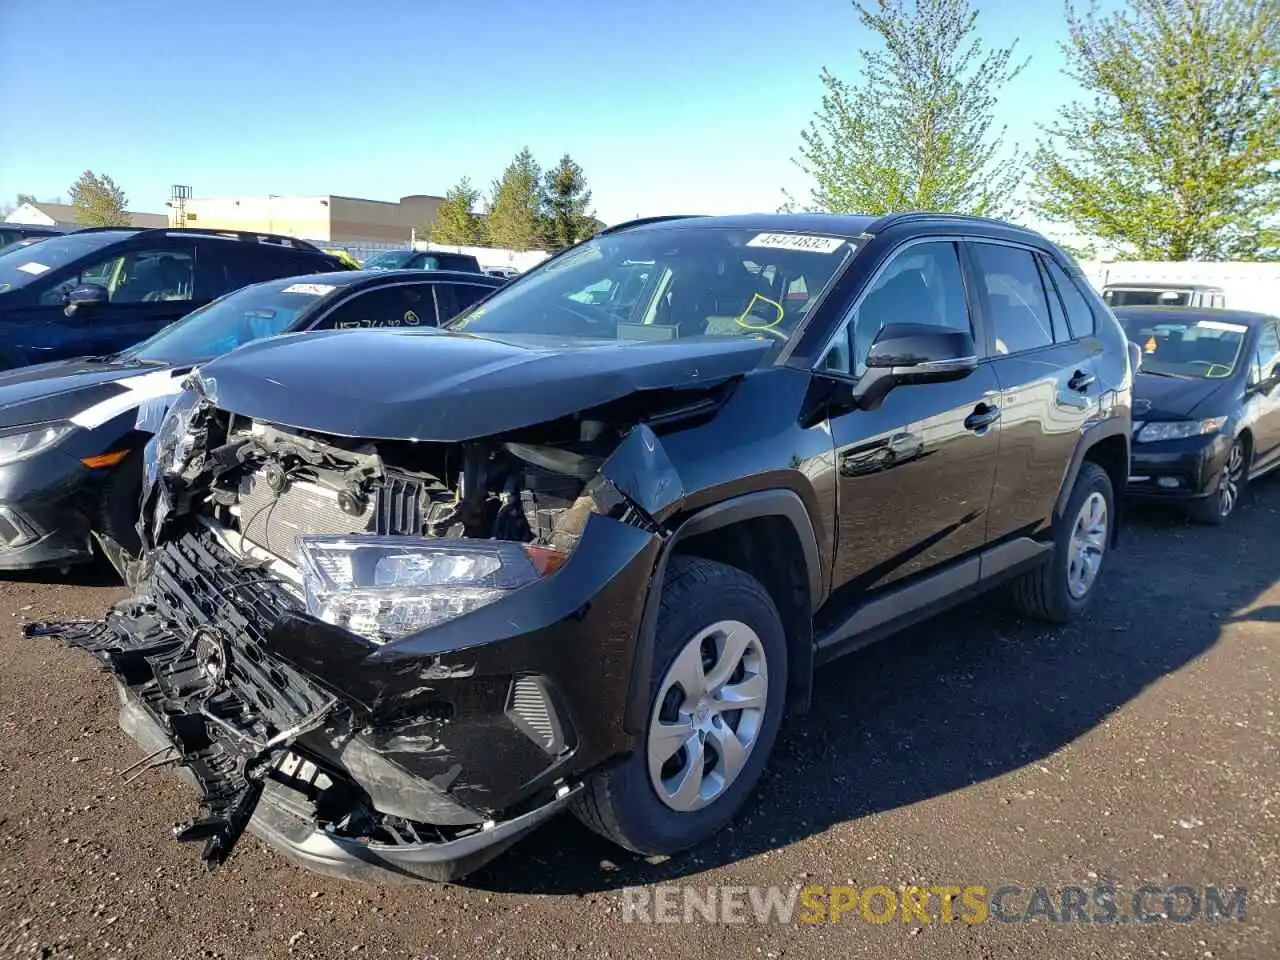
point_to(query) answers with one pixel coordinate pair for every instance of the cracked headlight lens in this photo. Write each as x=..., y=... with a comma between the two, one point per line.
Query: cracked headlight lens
x=385, y=588
x=27, y=441
x=1155, y=431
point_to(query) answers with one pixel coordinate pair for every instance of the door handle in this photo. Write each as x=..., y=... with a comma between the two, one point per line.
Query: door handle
x=982, y=417
x=1081, y=380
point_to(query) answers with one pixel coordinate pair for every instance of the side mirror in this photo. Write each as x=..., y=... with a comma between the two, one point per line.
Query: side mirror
x=1135, y=357
x=907, y=353
x=85, y=295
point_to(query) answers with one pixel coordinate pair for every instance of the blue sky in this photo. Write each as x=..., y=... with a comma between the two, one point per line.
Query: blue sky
x=669, y=105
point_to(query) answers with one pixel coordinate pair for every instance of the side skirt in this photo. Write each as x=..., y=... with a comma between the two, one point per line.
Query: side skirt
x=897, y=608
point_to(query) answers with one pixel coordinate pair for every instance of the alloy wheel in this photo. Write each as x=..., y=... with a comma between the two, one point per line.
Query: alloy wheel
x=707, y=715
x=1088, y=544
x=1230, y=481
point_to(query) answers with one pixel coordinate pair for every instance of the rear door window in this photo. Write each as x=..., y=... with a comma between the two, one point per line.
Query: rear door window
x=1017, y=305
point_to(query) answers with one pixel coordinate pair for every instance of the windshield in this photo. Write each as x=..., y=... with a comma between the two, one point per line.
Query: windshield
x=391, y=260
x=1206, y=349
x=19, y=266
x=668, y=284
x=250, y=313
x=1147, y=298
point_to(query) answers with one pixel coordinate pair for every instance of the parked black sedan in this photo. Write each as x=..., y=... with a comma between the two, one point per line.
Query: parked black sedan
x=1206, y=407
x=72, y=432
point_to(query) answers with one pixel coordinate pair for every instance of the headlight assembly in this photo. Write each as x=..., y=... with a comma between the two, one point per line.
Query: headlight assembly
x=386, y=588
x=1179, y=429
x=23, y=442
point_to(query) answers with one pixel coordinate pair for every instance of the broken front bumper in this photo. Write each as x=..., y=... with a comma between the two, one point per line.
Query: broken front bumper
x=420, y=759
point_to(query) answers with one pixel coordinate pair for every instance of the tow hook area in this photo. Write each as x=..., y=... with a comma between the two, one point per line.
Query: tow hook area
x=229, y=771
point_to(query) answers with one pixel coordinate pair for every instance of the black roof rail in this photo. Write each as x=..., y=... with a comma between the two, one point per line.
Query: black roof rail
x=247, y=236
x=907, y=216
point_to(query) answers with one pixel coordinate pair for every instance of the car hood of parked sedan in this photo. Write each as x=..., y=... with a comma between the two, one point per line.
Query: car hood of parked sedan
x=1157, y=397
x=65, y=389
x=448, y=387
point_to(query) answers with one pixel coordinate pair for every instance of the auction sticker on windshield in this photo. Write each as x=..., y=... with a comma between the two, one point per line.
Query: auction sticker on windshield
x=33, y=268
x=796, y=241
x=1224, y=327
x=314, y=289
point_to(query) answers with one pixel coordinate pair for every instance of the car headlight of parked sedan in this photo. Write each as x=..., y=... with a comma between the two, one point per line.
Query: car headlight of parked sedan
x=21, y=443
x=1178, y=429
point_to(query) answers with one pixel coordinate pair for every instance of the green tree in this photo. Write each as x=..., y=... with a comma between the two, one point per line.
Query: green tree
x=98, y=201
x=917, y=132
x=1174, y=153
x=568, y=217
x=514, y=219
x=25, y=198
x=456, y=222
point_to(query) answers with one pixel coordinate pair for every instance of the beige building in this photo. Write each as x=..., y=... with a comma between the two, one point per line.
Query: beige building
x=325, y=218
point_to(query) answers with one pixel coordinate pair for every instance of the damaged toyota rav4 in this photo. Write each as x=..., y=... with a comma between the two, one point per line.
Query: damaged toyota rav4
x=404, y=596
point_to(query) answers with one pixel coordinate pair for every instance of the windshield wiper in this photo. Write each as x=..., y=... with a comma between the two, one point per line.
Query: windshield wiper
x=1162, y=373
x=124, y=357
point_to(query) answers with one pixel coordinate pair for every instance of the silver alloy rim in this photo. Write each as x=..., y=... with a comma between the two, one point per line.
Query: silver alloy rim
x=1088, y=544
x=1229, y=484
x=707, y=715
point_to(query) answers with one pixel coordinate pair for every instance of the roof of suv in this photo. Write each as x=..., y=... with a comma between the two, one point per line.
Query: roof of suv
x=840, y=224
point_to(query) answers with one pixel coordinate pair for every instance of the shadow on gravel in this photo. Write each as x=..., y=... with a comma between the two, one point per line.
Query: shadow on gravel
x=969, y=696
x=97, y=573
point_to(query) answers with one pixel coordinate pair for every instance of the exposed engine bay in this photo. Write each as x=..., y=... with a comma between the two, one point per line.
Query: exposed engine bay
x=277, y=649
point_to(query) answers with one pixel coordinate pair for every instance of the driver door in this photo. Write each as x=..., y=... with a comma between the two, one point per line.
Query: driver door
x=146, y=289
x=915, y=475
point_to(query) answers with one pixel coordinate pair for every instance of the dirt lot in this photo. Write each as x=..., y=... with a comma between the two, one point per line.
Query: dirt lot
x=1139, y=746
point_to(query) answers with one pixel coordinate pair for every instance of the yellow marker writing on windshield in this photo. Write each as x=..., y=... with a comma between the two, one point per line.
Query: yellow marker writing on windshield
x=757, y=298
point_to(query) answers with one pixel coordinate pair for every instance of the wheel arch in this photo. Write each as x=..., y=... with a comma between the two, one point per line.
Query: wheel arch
x=1107, y=445
x=790, y=569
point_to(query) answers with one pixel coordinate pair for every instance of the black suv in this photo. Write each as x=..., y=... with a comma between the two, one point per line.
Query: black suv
x=100, y=290
x=13, y=232
x=407, y=595
x=423, y=260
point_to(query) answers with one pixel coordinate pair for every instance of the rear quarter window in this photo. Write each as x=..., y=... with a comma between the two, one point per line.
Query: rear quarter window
x=1079, y=314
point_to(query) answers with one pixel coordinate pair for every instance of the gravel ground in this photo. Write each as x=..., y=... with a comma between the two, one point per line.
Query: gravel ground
x=1137, y=746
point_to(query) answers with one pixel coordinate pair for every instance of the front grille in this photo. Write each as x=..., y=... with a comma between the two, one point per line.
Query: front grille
x=399, y=506
x=199, y=591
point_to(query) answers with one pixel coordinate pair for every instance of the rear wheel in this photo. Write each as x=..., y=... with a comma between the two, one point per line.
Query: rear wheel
x=1062, y=588
x=719, y=682
x=1215, y=508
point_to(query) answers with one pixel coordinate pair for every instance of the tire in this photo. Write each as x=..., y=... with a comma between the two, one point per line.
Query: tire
x=622, y=802
x=120, y=503
x=1219, y=505
x=1050, y=592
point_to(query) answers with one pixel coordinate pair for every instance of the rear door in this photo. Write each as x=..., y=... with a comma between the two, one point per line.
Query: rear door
x=227, y=265
x=1040, y=335
x=406, y=306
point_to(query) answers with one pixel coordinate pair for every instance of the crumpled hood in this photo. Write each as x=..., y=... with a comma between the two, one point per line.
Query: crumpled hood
x=445, y=386
x=1168, y=398
x=62, y=389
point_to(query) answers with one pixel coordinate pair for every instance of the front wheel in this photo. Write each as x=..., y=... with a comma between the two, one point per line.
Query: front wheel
x=719, y=683
x=1215, y=508
x=1062, y=588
